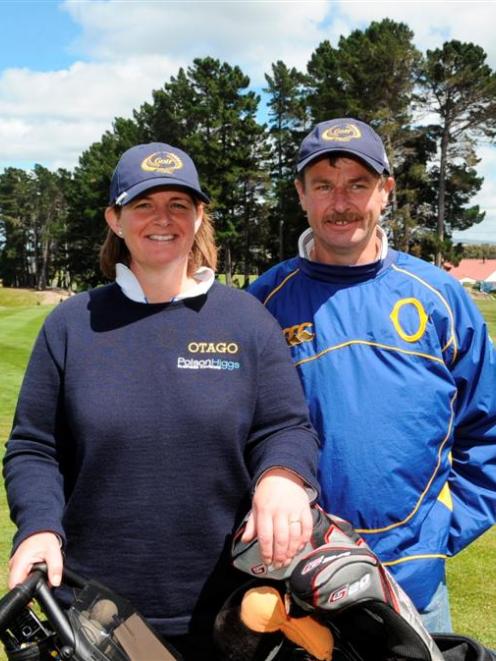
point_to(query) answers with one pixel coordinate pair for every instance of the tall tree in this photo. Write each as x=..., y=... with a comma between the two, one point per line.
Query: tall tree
x=89, y=197
x=48, y=224
x=461, y=184
x=460, y=88
x=371, y=76
x=16, y=200
x=209, y=112
x=288, y=121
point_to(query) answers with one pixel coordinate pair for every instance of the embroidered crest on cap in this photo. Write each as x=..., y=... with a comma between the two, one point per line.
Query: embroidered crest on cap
x=163, y=162
x=343, y=133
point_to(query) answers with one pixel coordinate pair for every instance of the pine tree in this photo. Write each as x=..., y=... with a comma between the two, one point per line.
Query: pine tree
x=460, y=88
x=288, y=123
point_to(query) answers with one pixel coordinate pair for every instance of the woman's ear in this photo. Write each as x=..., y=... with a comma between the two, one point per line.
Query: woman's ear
x=112, y=218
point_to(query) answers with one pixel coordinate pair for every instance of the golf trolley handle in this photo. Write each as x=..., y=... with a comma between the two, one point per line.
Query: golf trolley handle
x=36, y=586
x=14, y=601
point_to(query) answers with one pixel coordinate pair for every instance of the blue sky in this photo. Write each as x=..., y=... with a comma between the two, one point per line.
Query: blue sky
x=67, y=68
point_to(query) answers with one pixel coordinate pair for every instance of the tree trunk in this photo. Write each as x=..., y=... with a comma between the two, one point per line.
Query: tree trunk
x=442, y=195
x=41, y=282
x=228, y=264
x=281, y=239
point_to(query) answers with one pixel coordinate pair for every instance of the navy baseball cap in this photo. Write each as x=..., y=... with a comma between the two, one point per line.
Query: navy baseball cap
x=154, y=164
x=344, y=135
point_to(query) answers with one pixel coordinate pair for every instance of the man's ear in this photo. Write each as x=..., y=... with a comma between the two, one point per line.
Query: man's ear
x=300, y=189
x=112, y=219
x=387, y=188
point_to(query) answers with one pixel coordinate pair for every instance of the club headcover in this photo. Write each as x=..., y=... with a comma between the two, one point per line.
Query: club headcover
x=255, y=624
x=362, y=602
x=263, y=610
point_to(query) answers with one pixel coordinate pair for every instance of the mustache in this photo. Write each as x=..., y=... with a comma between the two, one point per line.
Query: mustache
x=348, y=216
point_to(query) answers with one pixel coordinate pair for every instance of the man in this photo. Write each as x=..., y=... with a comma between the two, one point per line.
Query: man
x=397, y=366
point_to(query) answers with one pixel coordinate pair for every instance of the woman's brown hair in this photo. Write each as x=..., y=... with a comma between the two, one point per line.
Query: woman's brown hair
x=203, y=251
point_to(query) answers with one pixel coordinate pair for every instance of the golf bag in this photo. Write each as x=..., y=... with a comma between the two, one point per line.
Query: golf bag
x=98, y=626
x=337, y=585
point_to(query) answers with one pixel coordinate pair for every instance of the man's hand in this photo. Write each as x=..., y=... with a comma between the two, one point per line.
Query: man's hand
x=280, y=517
x=40, y=547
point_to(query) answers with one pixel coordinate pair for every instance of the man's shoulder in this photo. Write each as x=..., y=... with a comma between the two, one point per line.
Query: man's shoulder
x=426, y=272
x=272, y=278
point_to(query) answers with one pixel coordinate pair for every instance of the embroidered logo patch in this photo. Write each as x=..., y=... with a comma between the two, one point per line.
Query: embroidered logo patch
x=164, y=162
x=299, y=333
x=422, y=319
x=343, y=133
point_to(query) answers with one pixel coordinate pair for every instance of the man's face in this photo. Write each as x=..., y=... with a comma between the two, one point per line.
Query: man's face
x=343, y=203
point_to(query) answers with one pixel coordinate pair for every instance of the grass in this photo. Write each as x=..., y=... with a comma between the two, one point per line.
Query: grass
x=471, y=575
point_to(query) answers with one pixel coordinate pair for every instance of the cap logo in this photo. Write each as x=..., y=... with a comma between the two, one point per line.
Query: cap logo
x=343, y=133
x=164, y=162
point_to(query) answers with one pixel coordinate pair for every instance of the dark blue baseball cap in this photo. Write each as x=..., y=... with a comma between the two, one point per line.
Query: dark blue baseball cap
x=346, y=135
x=154, y=164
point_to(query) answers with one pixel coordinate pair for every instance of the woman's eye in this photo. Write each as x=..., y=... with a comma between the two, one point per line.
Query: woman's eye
x=180, y=206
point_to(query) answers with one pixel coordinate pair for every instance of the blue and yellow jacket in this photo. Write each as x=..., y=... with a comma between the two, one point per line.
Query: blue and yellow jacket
x=400, y=375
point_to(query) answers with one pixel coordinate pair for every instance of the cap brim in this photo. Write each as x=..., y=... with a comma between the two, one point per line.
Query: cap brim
x=377, y=166
x=155, y=182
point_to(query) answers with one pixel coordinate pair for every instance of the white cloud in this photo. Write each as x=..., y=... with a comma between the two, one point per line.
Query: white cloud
x=53, y=143
x=432, y=21
x=251, y=34
x=94, y=90
x=51, y=117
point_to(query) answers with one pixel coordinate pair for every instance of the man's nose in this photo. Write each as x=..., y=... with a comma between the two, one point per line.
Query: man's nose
x=339, y=199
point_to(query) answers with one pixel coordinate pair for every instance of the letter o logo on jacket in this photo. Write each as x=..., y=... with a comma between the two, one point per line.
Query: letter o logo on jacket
x=422, y=319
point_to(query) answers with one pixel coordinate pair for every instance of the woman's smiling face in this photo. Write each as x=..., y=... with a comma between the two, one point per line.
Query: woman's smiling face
x=158, y=227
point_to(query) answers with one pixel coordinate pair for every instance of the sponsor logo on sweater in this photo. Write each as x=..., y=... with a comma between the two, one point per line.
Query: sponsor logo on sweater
x=213, y=347
x=207, y=364
x=201, y=361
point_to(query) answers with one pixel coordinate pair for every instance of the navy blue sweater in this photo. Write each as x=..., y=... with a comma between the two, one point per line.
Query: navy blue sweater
x=139, y=434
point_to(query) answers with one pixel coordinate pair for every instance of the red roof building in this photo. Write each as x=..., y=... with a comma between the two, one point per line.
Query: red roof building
x=473, y=270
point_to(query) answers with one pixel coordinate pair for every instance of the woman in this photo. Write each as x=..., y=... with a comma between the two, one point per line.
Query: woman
x=152, y=409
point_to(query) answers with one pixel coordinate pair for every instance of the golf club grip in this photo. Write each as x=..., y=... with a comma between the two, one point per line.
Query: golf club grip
x=14, y=601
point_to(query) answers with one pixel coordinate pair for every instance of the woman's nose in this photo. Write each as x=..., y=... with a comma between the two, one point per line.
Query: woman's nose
x=163, y=215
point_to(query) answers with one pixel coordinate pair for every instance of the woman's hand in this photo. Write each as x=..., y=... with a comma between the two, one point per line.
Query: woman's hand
x=40, y=547
x=280, y=517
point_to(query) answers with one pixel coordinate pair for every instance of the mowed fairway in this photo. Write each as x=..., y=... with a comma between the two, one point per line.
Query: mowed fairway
x=20, y=320
x=471, y=575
